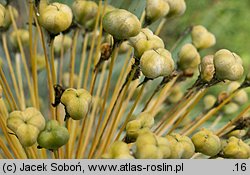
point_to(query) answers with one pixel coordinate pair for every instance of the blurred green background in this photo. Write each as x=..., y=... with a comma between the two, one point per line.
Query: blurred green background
x=227, y=19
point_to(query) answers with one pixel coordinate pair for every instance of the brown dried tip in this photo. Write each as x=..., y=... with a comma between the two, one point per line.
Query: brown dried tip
x=106, y=51
x=222, y=96
x=58, y=94
x=242, y=123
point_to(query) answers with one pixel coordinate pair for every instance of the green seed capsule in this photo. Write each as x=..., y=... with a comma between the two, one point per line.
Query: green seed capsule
x=55, y=17
x=121, y=24
x=60, y=42
x=144, y=41
x=236, y=149
x=202, y=38
x=84, y=11
x=230, y=108
x=189, y=57
x=177, y=7
x=7, y=19
x=156, y=63
x=77, y=102
x=207, y=69
x=175, y=94
x=164, y=146
x=138, y=126
x=239, y=133
x=24, y=37
x=176, y=147
x=26, y=125
x=228, y=65
x=206, y=142
x=209, y=101
x=118, y=150
x=54, y=136
x=156, y=9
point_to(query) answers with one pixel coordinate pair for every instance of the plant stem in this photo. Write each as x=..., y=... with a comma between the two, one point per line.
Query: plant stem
x=158, y=30
x=85, y=134
x=32, y=55
x=50, y=85
x=20, y=81
x=56, y=154
x=114, y=123
x=72, y=59
x=12, y=74
x=98, y=135
x=209, y=114
x=7, y=91
x=61, y=61
x=5, y=149
x=83, y=58
x=23, y=57
x=229, y=124
x=91, y=49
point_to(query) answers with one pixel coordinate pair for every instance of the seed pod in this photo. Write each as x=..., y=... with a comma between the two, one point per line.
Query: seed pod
x=84, y=11
x=230, y=108
x=206, y=142
x=66, y=78
x=156, y=63
x=176, y=147
x=207, y=68
x=202, y=38
x=144, y=41
x=125, y=46
x=55, y=17
x=175, y=94
x=62, y=41
x=40, y=59
x=7, y=20
x=189, y=57
x=146, y=120
x=239, y=133
x=146, y=147
x=118, y=150
x=121, y=24
x=187, y=144
x=236, y=149
x=209, y=101
x=228, y=65
x=54, y=136
x=24, y=37
x=26, y=125
x=138, y=126
x=2, y=14
x=164, y=146
x=241, y=97
x=76, y=102
x=147, y=138
x=177, y=8
x=156, y=9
